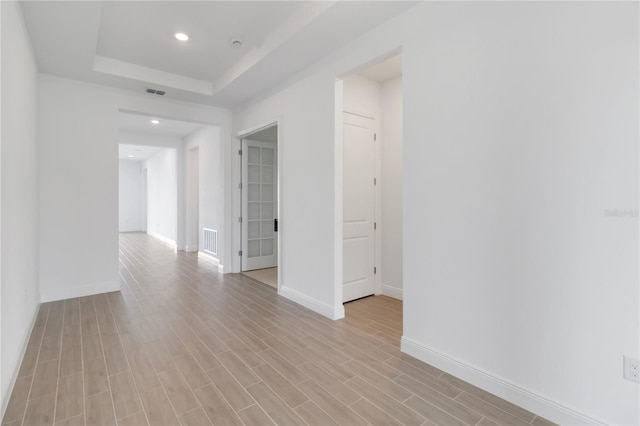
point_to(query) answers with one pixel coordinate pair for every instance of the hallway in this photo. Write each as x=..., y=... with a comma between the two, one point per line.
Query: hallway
x=183, y=344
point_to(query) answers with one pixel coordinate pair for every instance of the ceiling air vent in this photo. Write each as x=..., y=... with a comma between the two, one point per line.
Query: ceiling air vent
x=156, y=92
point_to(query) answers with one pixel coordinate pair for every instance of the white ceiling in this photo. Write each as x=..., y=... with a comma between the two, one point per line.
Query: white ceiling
x=142, y=33
x=136, y=152
x=130, y=44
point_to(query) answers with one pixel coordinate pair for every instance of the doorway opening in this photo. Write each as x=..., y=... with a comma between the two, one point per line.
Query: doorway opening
x=147, y=197
x=259, y=205
x=370, y=117
x=174, y=169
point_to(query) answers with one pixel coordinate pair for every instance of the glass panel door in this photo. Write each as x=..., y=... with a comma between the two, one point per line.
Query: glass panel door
x=259, y=203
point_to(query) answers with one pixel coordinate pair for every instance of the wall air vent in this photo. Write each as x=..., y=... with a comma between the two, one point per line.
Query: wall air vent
x=156, y=92
x=210, y=243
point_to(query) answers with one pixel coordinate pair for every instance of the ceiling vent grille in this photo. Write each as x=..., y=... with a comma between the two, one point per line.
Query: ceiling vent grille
x=156, y=92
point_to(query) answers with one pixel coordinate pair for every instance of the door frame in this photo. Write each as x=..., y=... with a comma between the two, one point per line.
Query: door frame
x=377, y=196
x=339, y=109
x=237, y=195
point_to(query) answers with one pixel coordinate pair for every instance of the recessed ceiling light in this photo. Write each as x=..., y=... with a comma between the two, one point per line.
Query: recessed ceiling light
x=129, y=156
x=155, y=122
x=182, y=36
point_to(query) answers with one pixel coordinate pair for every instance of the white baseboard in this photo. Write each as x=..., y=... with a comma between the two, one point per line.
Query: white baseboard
x=315, y=305
x=213, y=260
x=87, y=290
x=525, y=398
x=208, y=257
x=391, y=291
x=190, y=249
x=164, y=239
x=14, y=377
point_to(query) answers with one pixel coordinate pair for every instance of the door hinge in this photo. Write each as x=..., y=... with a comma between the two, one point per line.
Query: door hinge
x=375, y=137
x=375, y=181
x=375, y=226
x=374, y=270
x=239, y=186
x=240, y=253
x=239, y=152
x=240, y=219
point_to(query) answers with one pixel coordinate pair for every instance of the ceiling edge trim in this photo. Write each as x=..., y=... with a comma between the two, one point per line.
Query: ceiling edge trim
x=131, y=71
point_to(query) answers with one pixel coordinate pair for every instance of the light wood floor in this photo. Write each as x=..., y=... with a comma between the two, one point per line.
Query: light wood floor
x=182, y=344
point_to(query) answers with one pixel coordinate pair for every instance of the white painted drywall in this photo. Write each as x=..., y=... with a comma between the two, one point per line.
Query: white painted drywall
x=19, y=194
x=210, y=182
x=130, y=217
x=363, y=96
x=79, y=198
x=162, y=195
x=193, y=198
x=143, y=200
x=306, y=189
x=520, y=130
x=391, y=172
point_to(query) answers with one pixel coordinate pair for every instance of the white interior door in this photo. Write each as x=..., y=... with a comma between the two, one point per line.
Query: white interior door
x=359, y=207
x=259, y=207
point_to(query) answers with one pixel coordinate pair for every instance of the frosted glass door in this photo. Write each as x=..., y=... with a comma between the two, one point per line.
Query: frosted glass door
x=259, y=205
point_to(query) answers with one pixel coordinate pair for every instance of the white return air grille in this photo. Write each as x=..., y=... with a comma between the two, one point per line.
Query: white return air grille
x=210, y=241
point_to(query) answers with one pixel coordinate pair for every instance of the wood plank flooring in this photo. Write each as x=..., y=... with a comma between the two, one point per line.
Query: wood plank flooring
x=182, y=344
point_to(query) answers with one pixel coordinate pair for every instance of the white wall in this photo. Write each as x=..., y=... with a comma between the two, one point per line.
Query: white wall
x=193, y=198
x=527, y=146
x=79, y=198
x=130, y=201
x=520, y=129
x=391, y=186
x=211, y=182
x=143, y=200
x=19, y=194
x=162, y=195
x=363, y=96
x=306, y=189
